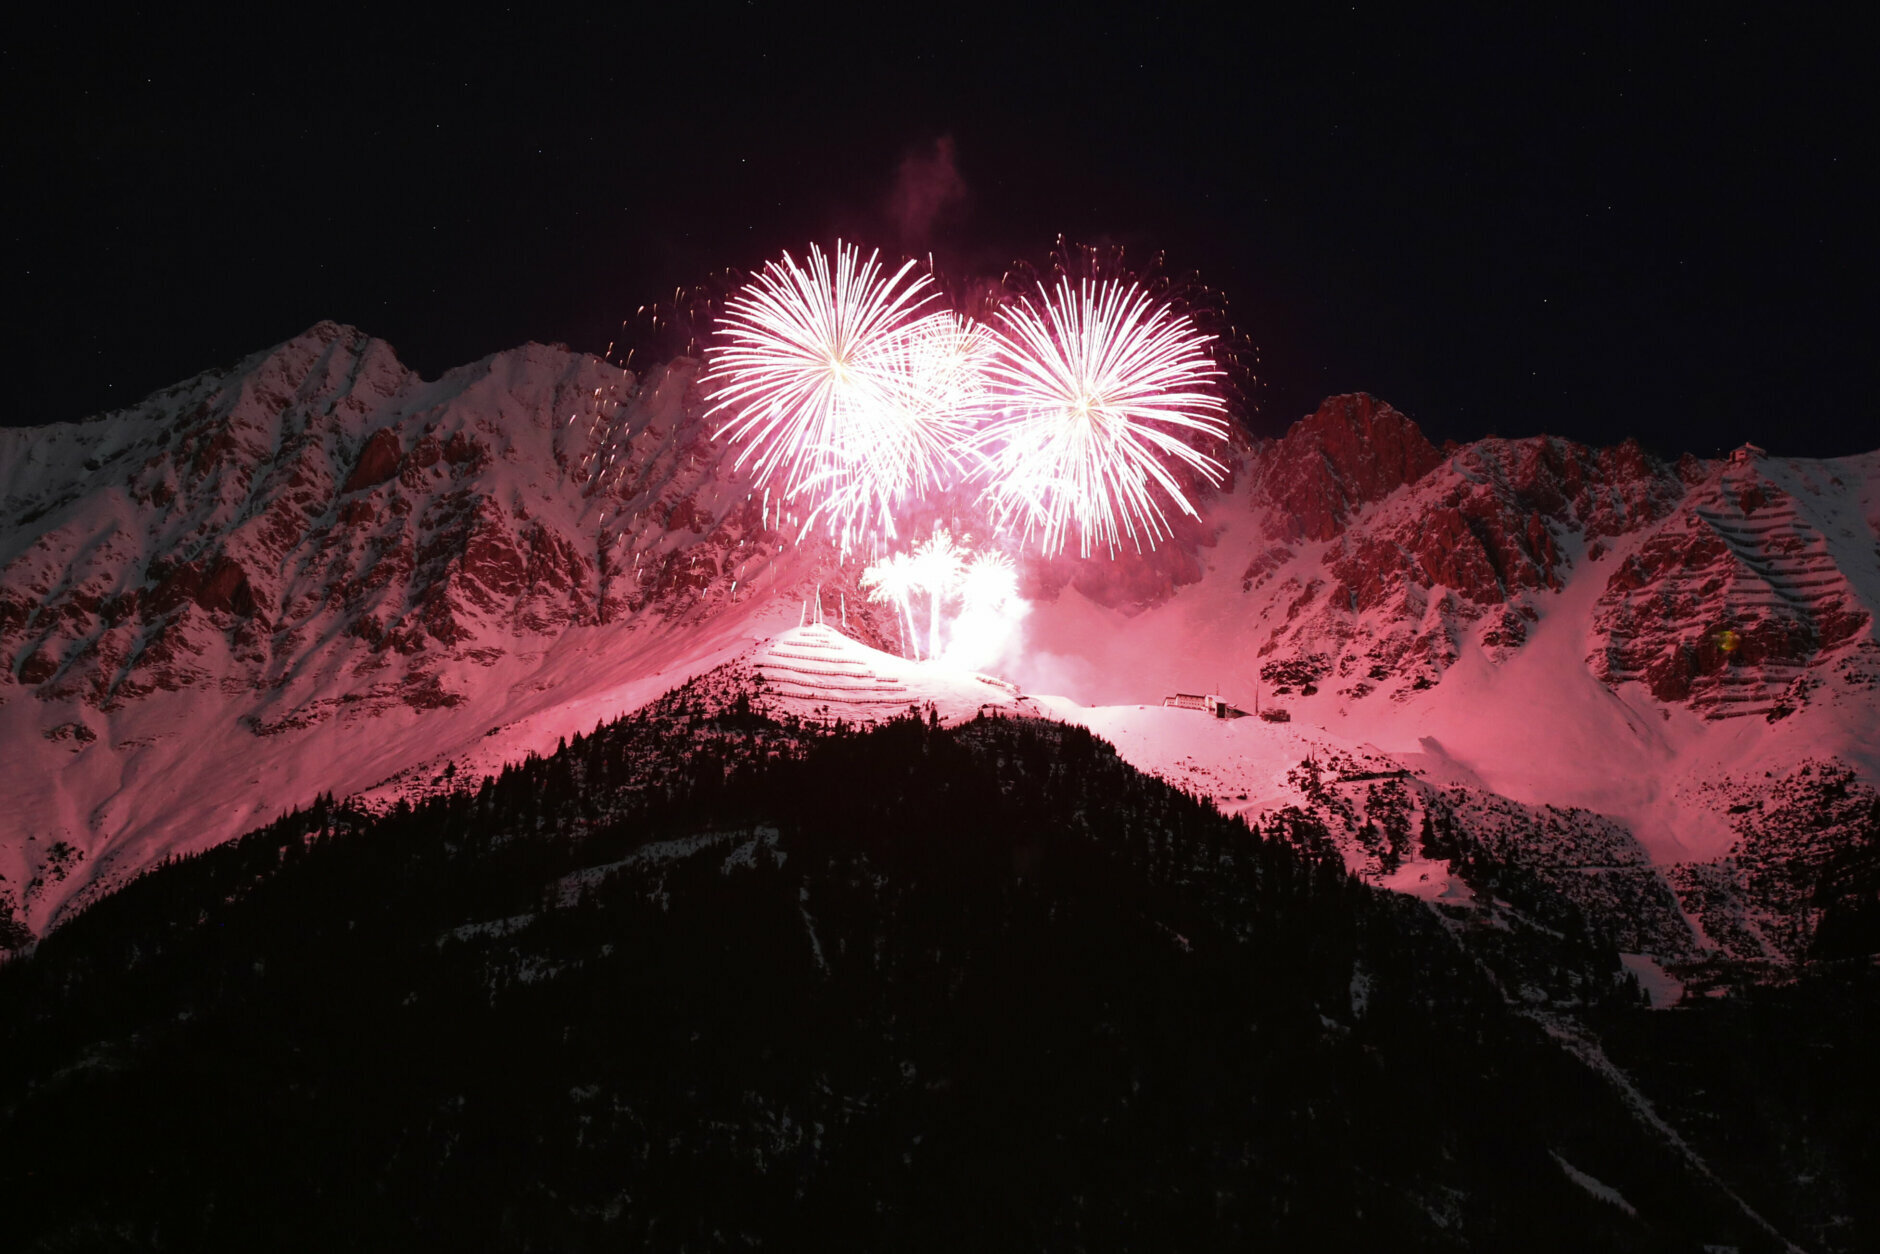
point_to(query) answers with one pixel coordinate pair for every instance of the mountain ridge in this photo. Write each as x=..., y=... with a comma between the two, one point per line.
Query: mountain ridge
x=340, y=577
x=707, y=975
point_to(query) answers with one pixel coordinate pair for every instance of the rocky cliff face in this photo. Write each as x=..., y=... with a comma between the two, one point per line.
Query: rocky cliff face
x=321, y=507
x=1732, y=587
x=1411, y=554
x=1355, y=451
x=319, y=541
x=1748, y=598
x=316, y=571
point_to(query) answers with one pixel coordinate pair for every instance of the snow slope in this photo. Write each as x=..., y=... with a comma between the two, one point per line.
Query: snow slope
x=814, y=671
x=1535, y=723
x=316, y=571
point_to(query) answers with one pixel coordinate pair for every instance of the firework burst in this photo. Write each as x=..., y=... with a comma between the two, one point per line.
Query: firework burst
x=937, y=567
x=983, y=586
x=1093, y=393
x=939, y=383
x=837, y=377
x=890, y=581
x=990, y=582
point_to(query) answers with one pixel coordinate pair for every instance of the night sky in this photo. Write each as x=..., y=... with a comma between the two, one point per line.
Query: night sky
x=1630, y=225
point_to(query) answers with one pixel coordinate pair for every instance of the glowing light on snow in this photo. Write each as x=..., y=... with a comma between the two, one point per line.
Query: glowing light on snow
x=990, y=611
x=845, y=388
x=1093, y=391
x=983, y=588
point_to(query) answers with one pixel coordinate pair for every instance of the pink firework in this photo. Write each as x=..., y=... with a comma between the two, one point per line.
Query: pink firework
x=835, y=375
x=1093, y=394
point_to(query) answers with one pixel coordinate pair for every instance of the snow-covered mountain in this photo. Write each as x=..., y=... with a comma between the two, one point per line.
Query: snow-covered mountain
x=1653, y=685
x=317, y=570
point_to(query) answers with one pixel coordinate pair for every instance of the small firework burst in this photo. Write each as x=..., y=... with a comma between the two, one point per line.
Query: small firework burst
x=937, y=566
x=982, y=587
x=990, y=581
x=941, y=382
x=890, y=581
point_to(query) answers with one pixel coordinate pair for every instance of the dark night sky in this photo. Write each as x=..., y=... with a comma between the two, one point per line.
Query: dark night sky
x=1613, y=225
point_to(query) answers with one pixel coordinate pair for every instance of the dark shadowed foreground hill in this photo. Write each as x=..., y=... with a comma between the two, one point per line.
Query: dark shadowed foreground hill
x=705, y=980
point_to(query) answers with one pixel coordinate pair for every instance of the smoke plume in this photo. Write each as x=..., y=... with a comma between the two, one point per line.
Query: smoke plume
x=926, y=187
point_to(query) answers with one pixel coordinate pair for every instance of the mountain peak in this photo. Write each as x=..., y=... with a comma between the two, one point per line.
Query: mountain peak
x=1354, y=450
x=324, y=339
x=360, y=574
x=326, y=331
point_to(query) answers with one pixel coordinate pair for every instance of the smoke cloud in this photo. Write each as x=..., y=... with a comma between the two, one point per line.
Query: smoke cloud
x=984, y=637
x=927, y=186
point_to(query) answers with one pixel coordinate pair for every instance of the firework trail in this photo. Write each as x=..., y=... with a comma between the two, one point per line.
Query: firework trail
x=1183, y=292
x=1093, y=390
x=926, y=394
x=657, y=332
x=890, y=581
x=834, y=374
x=937, y=567
x=939, y=383
x=944, y=373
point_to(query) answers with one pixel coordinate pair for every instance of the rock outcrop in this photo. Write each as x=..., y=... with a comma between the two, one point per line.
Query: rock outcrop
x=316, y=571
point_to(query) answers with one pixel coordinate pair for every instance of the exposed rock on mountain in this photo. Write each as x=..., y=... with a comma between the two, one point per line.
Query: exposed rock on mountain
x=251, y=525
x=1470, y=541
x=1353, y=452
x=1742, y=593
x=300, y=547
x=316, y=571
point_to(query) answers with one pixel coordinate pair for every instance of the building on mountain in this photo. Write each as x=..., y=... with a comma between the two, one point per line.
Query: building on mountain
x=1746, y=454
x=1209, y=702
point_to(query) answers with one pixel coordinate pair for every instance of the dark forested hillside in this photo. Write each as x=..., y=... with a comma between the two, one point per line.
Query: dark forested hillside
x=708, y=980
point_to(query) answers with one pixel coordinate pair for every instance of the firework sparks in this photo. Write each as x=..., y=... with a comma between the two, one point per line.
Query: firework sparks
x=890, y=581
x=944, y=377
x=987, y=626
x=842, y=384
x=984, y=587
x=937, y=567
x=990, y=582
x=1092, y=392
